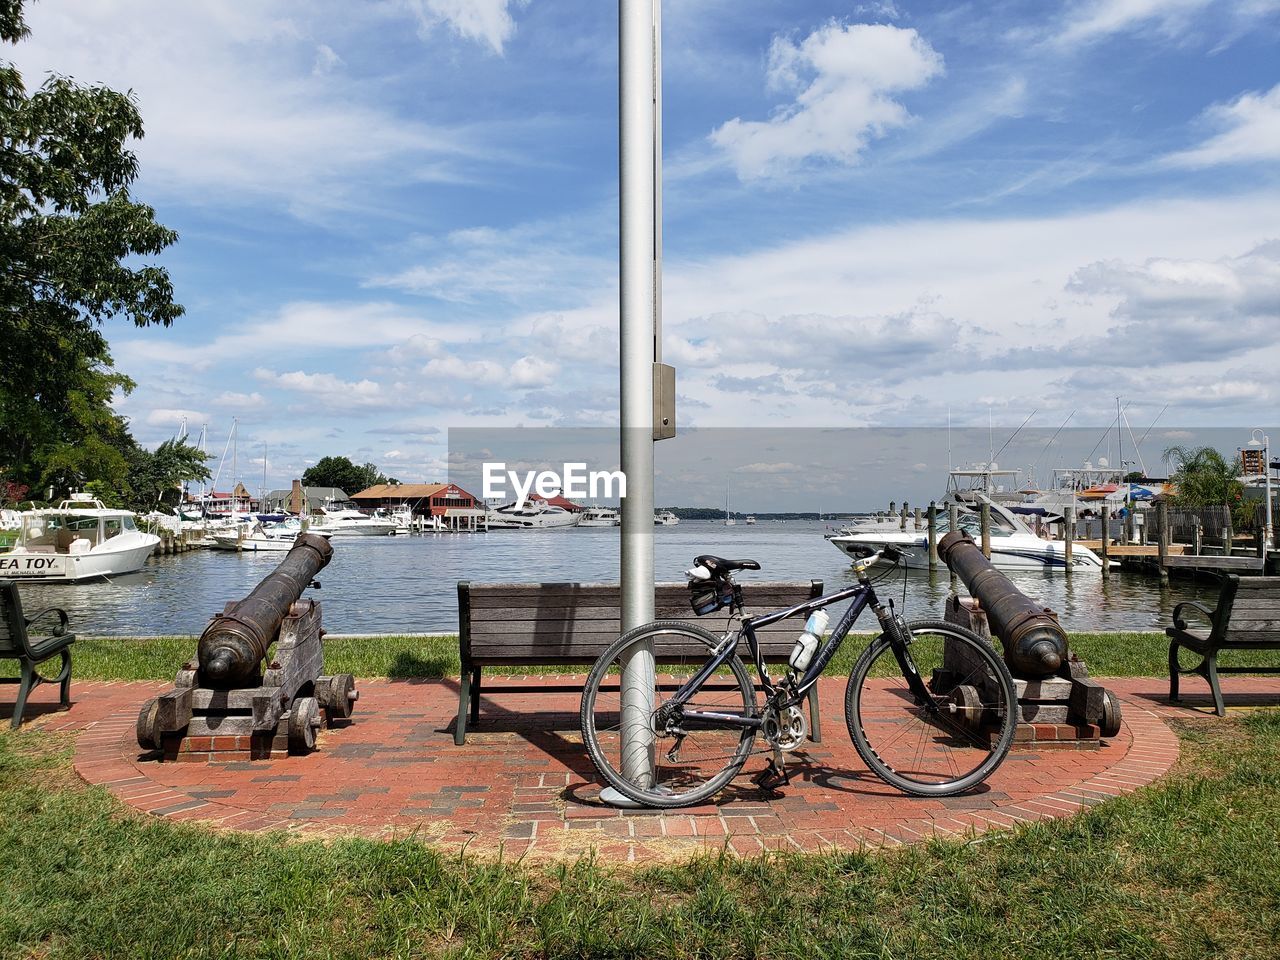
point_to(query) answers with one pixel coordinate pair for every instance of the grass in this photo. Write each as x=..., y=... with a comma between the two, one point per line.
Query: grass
x=123, y=658
x=1189, y=867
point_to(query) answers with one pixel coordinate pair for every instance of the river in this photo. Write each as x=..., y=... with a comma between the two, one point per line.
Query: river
x=407, y=584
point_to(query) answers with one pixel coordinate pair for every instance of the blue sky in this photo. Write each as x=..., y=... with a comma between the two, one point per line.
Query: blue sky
x=399, y=216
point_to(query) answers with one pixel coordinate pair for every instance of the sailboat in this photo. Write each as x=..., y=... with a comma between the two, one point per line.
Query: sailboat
x=728, y=517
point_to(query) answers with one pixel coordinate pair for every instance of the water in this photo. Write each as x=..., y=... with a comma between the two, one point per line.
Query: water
x=408, y=584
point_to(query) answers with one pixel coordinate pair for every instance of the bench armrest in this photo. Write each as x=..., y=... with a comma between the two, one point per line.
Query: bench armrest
x=60, y=629
x=1180, y=623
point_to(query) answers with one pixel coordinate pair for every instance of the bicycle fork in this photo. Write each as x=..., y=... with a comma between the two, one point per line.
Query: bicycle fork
x=895, y=629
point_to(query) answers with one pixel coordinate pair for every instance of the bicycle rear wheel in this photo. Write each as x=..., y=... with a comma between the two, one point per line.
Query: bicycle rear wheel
x=686, y=769
x=948, y=742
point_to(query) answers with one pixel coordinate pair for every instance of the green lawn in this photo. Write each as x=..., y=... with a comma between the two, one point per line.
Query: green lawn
x=1187, y=868
x=118, y=658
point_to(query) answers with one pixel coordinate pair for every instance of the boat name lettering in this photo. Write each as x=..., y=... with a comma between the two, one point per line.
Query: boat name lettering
x=30, y=564
x=574, y=481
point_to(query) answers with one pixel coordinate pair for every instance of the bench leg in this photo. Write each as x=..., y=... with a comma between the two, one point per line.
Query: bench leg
x=464, y=699
x=65, y=678
x=29, y=680
x=1173, y=670
x=1211, y=674
x=815, y=718
x=475, y=696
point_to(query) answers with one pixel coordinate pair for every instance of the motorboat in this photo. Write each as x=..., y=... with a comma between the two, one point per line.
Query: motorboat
x=1014, y=545
x=751, y=521
x=665, y=519
x=262, y=537
x=80, y=539
x=530, y=515
x=344, y=519
x=401, y=517
x=600, y=517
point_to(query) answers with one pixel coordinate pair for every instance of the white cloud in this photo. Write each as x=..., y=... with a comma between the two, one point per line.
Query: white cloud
x=1250, y=127
x=533, y=372
x=240, y=401
x=517, y=264
x=170, y=417
x=326, y=389
x=242, y=102
x=843, y=75
x=455, y=368
x=486, y=21
x=1095, y=19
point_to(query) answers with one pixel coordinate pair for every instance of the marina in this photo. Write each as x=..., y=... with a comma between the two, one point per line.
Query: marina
x=408, y=584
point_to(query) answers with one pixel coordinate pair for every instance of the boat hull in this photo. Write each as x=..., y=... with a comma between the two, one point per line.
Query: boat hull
x=73, y=568
x=1035, y=555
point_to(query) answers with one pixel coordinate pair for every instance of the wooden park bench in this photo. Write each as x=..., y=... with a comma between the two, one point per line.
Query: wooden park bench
x=1247, y=617
x=571, y=624
x=16, y=644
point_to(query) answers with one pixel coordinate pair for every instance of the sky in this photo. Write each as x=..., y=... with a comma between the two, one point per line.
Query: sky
x=399, y=217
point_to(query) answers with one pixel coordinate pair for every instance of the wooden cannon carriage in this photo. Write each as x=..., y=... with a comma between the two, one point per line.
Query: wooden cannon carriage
x=224, y=706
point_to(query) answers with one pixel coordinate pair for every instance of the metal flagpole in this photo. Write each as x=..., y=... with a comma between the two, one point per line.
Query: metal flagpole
x=637, y=253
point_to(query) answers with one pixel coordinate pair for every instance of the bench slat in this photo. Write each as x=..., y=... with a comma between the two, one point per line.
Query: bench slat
x=1251, y=603
x=1256, y=584
x=1233, y=635
x=485, y=599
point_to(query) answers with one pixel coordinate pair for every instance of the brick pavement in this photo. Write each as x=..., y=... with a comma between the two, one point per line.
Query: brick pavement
x=523, y=784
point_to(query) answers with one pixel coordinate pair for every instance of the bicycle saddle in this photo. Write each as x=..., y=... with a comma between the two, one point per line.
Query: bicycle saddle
x=719, y=566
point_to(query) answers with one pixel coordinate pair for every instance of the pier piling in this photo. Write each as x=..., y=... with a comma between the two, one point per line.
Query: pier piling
x=1068, y=534
x=1162, y=533
x=953, y=523
x=1102, y=549
x=985, y=520
x=917, y=518
x=933, y=536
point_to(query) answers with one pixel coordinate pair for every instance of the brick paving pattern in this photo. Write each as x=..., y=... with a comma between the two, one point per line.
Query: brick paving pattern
x=522, y=783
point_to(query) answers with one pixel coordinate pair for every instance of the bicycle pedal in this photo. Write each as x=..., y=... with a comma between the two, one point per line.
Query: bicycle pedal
x=772, y=777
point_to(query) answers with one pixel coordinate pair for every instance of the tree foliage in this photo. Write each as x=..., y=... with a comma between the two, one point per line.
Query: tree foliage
x=340, y=472
x=1206, y=478
x=156, y=476
x=71, y=239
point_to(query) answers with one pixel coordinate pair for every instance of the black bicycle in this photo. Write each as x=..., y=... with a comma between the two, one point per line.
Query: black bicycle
x=930, y=706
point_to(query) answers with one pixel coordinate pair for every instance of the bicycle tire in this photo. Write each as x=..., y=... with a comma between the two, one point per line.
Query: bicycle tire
x=673, y=786
x=962, y=739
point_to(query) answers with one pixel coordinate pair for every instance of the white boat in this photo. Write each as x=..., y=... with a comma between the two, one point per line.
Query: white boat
x=532, y=515
x=665, y=519
x=78, y=540
x=343, y=519
x=262, y=537
x=751, y=520
x=401, y=517
x=600, y=517
x=728, y=517
x=1014, y=546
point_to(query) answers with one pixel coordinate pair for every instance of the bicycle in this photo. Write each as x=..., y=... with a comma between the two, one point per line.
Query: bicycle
x=930, y=706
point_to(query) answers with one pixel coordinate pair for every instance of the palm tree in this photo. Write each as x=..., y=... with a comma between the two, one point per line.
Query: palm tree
x=1206, y=478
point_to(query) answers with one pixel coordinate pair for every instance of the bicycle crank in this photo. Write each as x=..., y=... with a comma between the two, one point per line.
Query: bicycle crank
x=785, y=730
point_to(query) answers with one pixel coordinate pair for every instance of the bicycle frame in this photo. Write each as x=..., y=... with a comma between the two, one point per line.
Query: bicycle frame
x=863, y=596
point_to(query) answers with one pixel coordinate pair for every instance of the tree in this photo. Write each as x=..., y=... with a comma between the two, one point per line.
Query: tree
x=156, y=477
x=1206, y=478
x=70, y=241
x=340, y=472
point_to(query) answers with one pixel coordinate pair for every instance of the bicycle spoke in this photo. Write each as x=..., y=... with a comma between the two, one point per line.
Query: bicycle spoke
x=956, y=737
x=688, y=761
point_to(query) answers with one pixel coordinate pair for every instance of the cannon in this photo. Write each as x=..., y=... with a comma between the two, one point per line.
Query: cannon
x=1053, y=684
x=223, y=705
x=1035, y=645
x=235, y=643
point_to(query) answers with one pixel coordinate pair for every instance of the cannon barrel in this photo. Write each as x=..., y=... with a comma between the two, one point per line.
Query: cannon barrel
x=236, y=641
x=1035, y=645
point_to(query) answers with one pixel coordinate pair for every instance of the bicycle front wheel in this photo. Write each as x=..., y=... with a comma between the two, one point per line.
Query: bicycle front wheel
x=947, y=741
x=689, y=762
